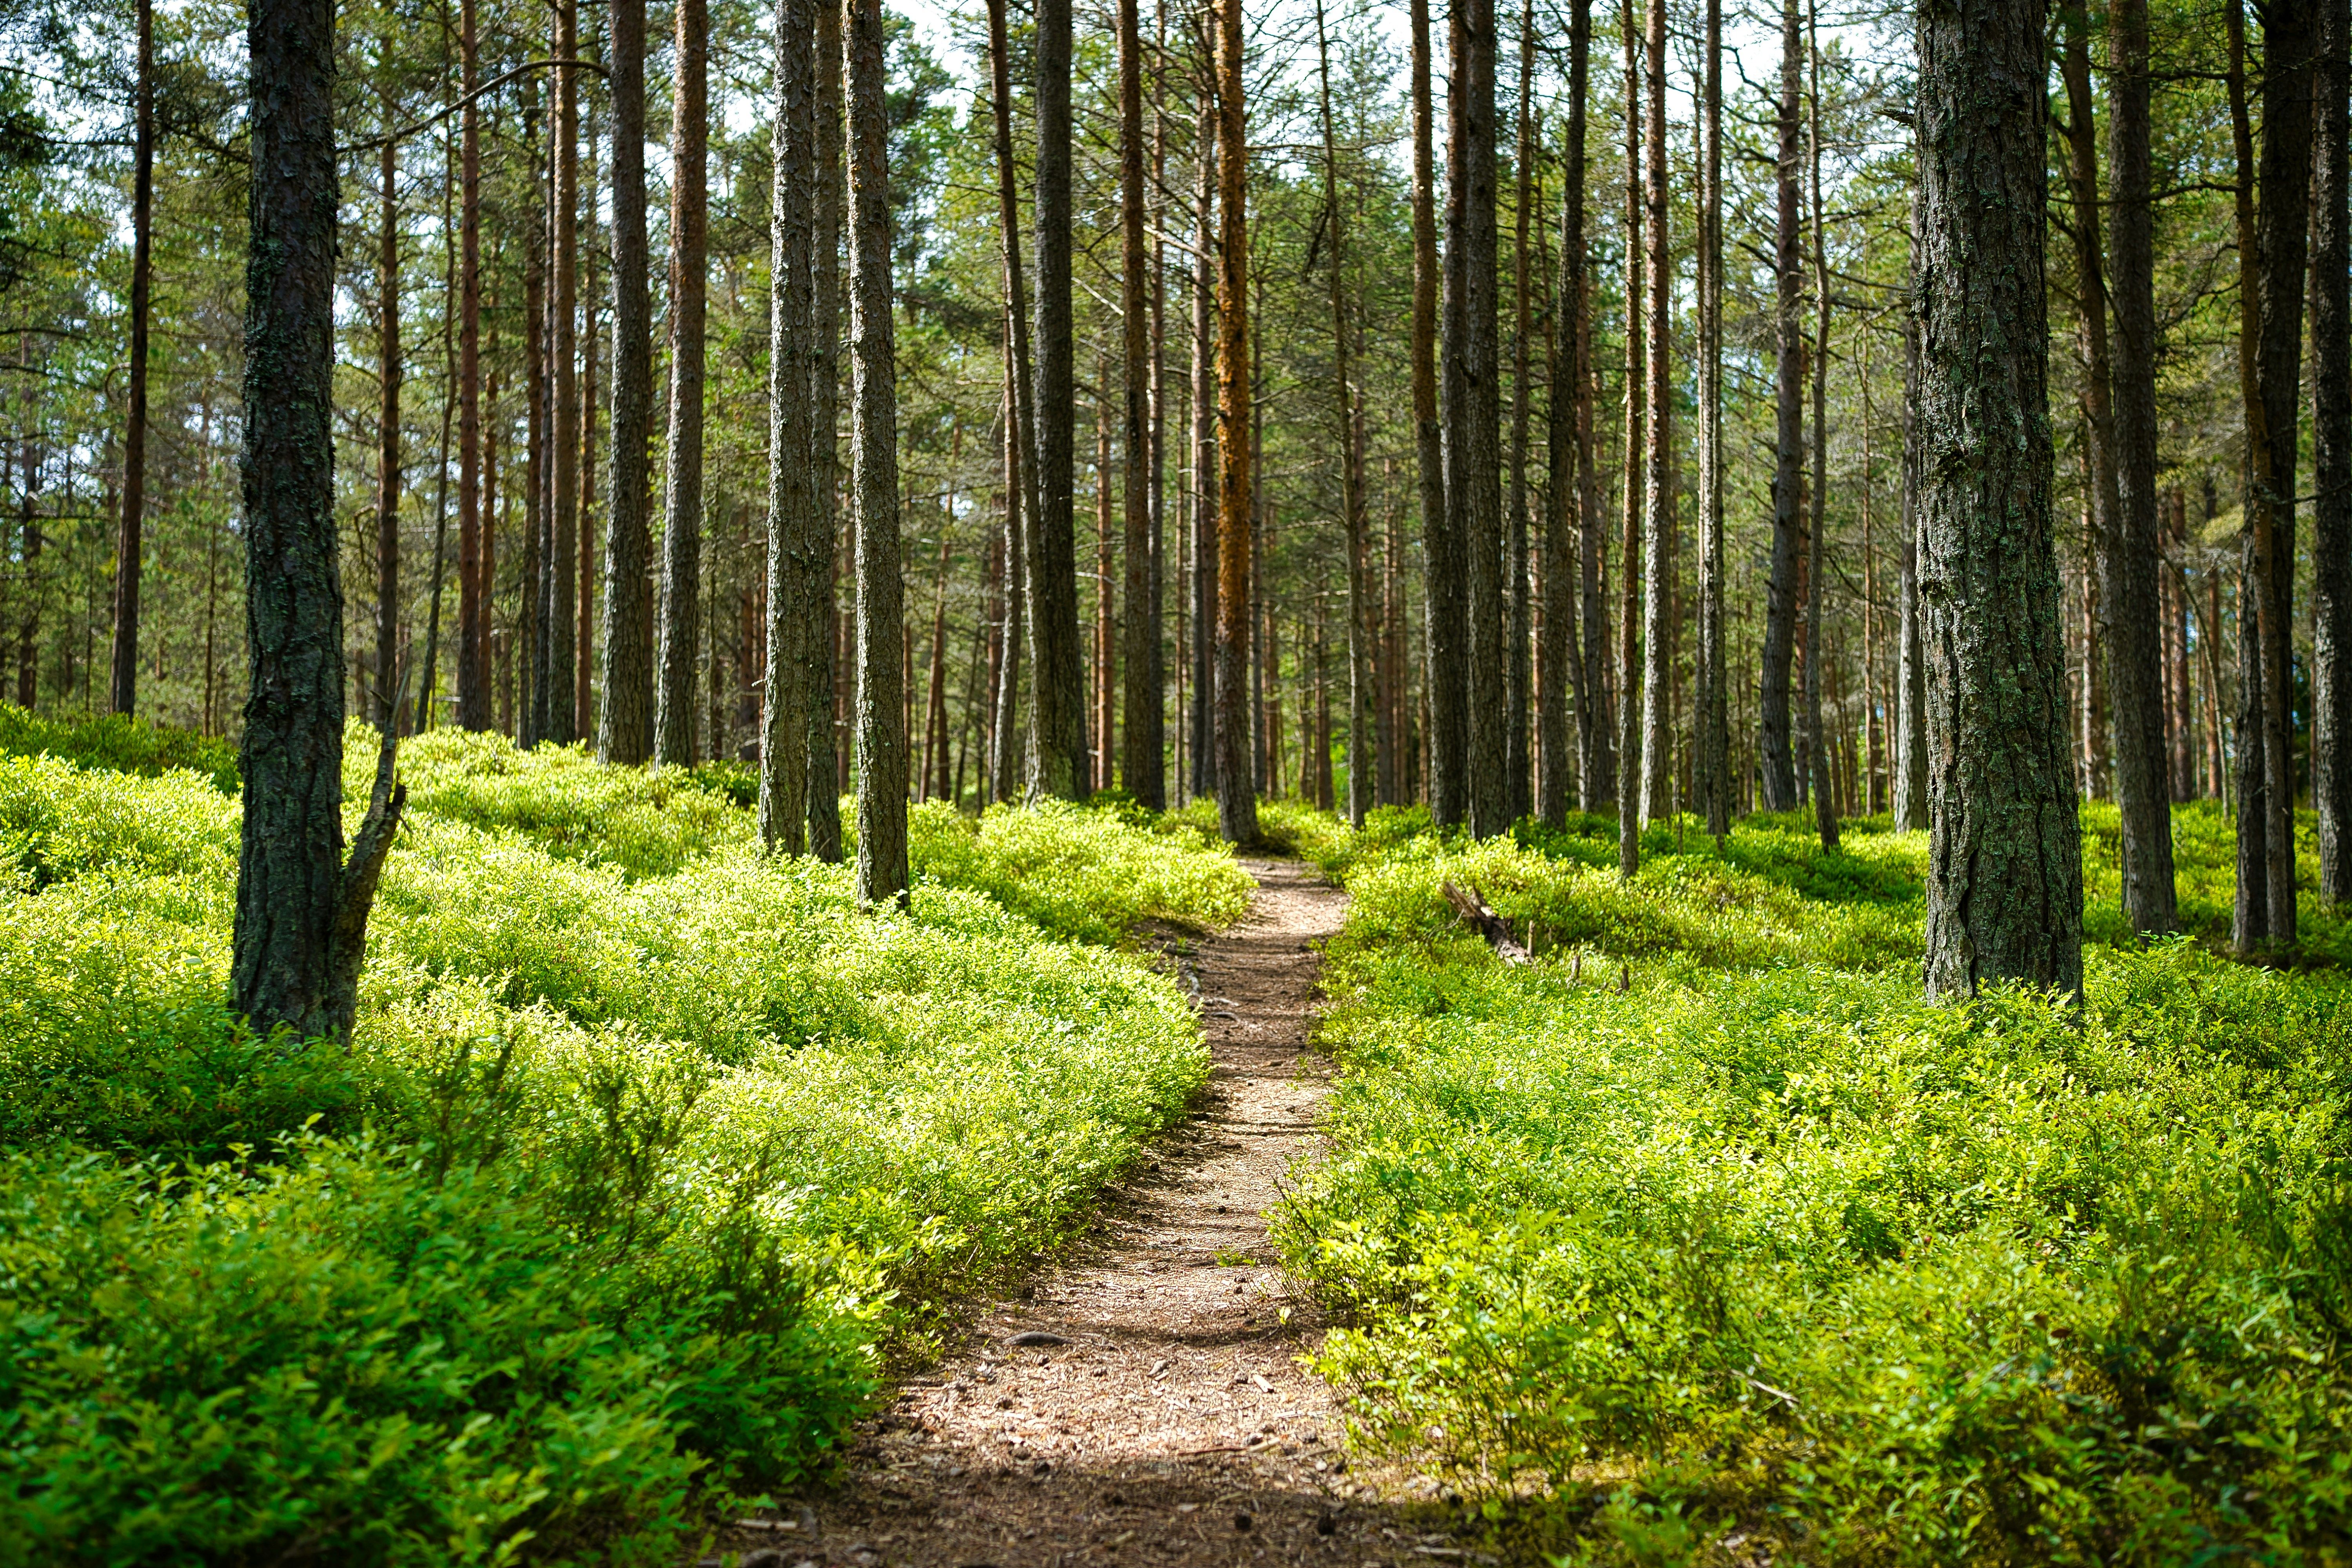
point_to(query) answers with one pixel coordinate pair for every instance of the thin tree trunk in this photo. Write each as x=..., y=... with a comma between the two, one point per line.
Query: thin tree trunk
x=428, y=684
x=1471, y=371
x=1139, y=763
x=2090, y=300
x=130, y=547
x=874, y=459
x=1237, y=795
x=1779, y=772
x=1596, y=764
x=1443, y=563
x=2133, y=541
x=1005, y=761
x=1629, y=669
x=1360, y=767
x=681, y=585
x=563, y=488
x=1106, y=669
x=531, y=726
x=1911, y=654
x=1205, y=549
x=1570, y=531
x=474, y=581
x=793, y=585
x=1825, y=801
x=1057, y=739
x=383, y=710
x=1714, y=761
x=301, y=911
x=584, y=624
x=2004, y=876
x=1021, y=432
x=624, y=726
x=1658, y=510
x=1519, y=677
x=2331, y=509
x=824, y=647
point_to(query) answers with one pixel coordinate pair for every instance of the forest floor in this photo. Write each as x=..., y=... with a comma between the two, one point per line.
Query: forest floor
x=1158, y=1413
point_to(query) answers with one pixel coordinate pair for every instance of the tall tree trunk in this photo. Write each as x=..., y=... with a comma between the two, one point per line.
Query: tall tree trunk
x=1568, y=526
x=2098, y=417
x=681, y=584
x=584, y=624
x=1104, y=717
x=1778, y=781
x=563, y=488
x=1021, y=432
x=1519, y=676
x=301, y=911
x=1817, y=746
x=1442, y=562
x=530, y=726
x=792, y=584
x=1153, y=639
x=2331, y=509
x=2132, y=545
x=874, y=461
x=1360, y=766
x=1057, y=739
x=2004, y=874
x=385, y=711
x=1713, y=768
x=1472, y=369
x=1629, y=576
x=1236, y=793
x=1596, y=765
x=1139, y=762
x=473, y=580
x=130, y=547
x=1911, y=654
x=824, y=647
x=624, y=724
x=1658, y=508
x=1205, y=549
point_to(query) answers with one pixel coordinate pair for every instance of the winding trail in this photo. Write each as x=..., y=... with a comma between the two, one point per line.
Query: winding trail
x=1165, y=1419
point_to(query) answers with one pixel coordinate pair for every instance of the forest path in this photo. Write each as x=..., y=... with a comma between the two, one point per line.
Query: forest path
x=1168, y=1421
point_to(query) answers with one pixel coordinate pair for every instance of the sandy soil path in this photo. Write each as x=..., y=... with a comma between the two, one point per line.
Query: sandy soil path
x=1143, y=1403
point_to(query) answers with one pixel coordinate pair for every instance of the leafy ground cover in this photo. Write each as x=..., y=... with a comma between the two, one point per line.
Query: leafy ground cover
x=1703, y=1236
x=648, y=1153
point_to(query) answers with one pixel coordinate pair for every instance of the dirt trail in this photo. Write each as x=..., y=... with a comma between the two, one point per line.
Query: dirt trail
x=1165, y=1421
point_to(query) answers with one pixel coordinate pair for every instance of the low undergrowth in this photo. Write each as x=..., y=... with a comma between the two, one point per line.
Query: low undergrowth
x=1702, y=1235
x=649, y=1152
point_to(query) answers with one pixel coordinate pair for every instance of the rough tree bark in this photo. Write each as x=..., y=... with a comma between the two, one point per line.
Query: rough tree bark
x=2004, y=874
x=1021, y=434
x=1237, y=791
x=1205, y=430
x=2133, y=542
x=1360, y=767
x=1658, y=500
x=1570, y=531
x=474, y=581
x=1517, y=674
x=624, y=721
x=1712, y=698
x=383, y=709
x=2331, y=508
x=130, y=544
x=874, y=458
x=1817, y=747
x=1776, y=780
x=1057, y=741
x=1443, y=563
x=821, y=645
x=1472, y=402
x=1141, y=764
x=562, y=566
x=681, y=582
x=302, y=910
x=1629, y=577
x=785, y=782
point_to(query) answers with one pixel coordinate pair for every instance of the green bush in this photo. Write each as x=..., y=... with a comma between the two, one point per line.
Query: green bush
x=1706, y=1221
x=649, y=1151
x=118, y=743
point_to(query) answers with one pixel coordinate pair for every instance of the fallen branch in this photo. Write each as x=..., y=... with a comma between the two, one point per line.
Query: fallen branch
x=1472, y=907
